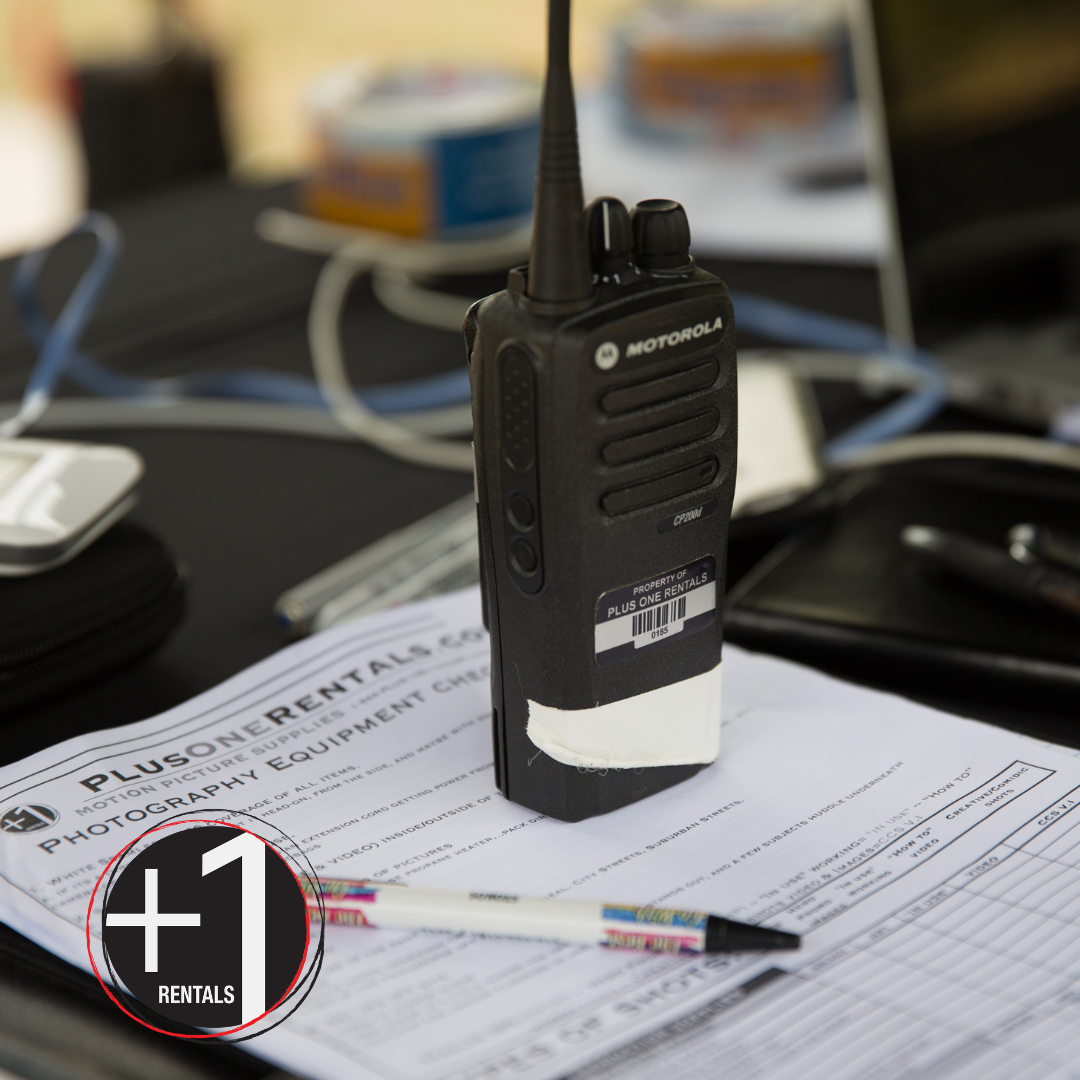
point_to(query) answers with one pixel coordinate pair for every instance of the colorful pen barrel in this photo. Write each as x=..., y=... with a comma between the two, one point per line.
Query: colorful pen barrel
x=391, y=906
x=377, y=904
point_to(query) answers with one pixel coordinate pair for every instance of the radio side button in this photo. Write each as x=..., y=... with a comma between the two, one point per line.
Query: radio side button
x=525, y=556
x=521, y=511
x=519, y=480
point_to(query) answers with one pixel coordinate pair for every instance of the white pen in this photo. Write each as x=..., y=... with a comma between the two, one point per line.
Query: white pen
x=573, y=922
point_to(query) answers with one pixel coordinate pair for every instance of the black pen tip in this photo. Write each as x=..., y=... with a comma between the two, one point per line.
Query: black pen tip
x=724, y=935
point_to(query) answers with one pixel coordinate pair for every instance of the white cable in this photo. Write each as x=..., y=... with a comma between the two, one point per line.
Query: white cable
x=400, y=252
x=324, y=338
x=397, y=292
x=393, y=262
x=874, y=373
x=29, y=413
x=956, y=444
x=67, y=414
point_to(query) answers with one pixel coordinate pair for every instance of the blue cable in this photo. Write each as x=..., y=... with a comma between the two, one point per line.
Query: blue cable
x=57, y=340
x=59, y=355
x=431, y=392
x=797, y=326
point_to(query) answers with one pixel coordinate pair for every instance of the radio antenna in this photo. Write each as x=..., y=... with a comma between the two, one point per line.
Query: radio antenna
x=559, y=268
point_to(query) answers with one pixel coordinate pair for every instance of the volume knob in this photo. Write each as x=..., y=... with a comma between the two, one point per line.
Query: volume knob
x=608, y=226
x=661, y=235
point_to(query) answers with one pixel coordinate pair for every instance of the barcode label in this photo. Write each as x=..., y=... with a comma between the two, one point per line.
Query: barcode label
x=659, y=616
x=655, y=611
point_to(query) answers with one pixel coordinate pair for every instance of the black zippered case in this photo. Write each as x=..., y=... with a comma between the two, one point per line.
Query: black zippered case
x=113, y=604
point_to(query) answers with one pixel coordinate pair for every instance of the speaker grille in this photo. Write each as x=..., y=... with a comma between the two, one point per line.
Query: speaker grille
x=518, y=411
x=628, y=398
x=646, y=443
x=659, y=488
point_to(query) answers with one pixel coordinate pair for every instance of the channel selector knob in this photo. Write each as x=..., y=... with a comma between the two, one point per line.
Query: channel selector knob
x=661, y=234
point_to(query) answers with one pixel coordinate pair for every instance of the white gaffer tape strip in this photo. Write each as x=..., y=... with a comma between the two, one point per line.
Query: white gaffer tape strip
x=674, y=725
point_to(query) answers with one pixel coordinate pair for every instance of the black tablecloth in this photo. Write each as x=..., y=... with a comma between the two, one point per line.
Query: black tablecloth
x=251, y=514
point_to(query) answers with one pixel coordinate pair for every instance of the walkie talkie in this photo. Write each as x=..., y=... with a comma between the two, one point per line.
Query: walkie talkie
x=604, y=419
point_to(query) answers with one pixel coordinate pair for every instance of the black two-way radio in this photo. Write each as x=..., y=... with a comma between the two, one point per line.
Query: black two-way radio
x=604, y=419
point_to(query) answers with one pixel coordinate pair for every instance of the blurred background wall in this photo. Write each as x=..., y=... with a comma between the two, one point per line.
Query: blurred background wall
x=268, y=50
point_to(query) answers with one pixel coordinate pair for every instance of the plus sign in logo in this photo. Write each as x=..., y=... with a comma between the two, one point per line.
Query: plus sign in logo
x=28, y=818
x=205, y=925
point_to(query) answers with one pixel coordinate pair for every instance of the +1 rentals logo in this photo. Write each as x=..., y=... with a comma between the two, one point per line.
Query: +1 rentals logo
x=203, y=925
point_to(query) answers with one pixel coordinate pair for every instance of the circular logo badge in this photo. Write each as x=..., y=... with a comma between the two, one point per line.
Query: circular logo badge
x=207, y=926
x=607, y=356
x=28, y=818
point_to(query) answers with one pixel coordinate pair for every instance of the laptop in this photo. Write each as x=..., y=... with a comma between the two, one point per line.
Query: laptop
x=973, y=110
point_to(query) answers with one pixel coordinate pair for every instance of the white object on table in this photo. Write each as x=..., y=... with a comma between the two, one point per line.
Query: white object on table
x=779, y=438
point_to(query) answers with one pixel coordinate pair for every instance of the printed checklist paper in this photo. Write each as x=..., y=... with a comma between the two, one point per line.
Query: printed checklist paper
x=931, y=863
